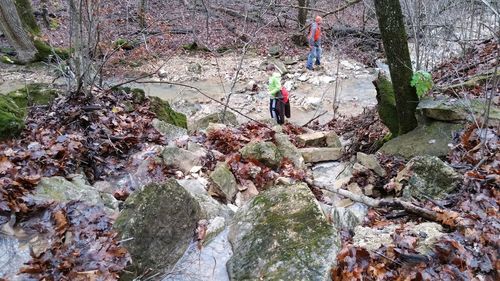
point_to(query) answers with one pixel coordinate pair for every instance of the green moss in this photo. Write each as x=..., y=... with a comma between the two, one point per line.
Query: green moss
x=124, y=44
x=27, y=17
x=45, y=51
x=54, y=24
x=165, y=113
x=33, y=94
x=11, y=117
x=387, y=104
x=284, y=240
x=8, y=59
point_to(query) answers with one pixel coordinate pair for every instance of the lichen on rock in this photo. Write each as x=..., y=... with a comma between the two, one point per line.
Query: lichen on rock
x=282, y=234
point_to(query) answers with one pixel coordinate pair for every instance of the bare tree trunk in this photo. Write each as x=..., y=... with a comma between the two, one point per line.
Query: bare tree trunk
x=143, y=9
x=12, y=27
x=302, y=13
x=84, y=38
x=27, y=17
x=392, y=29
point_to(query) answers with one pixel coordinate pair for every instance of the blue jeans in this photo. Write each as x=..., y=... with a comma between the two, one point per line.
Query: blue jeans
x=314, y=53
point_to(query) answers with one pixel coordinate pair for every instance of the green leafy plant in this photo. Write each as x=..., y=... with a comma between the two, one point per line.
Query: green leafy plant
x=422, y=81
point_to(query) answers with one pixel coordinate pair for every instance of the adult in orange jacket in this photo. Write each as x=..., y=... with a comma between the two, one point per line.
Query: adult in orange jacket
x=314, y=40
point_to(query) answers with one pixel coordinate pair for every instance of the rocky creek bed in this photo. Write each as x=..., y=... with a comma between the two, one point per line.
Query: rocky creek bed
x=121, y=185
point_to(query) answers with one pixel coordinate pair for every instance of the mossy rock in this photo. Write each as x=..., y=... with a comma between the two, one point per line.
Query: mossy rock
x=11, y=117
x=224, y=181
x=33, y=94
x=282, y=234
x=138, y=95
x=45, y=51
x=195, y=47
x=265, y=152
x=386, y=103
x=446, y=109
x=161, y=219
x=165, y=113
x=428, y=177
x=427, y=139
x=124, y=44
x=202, y=123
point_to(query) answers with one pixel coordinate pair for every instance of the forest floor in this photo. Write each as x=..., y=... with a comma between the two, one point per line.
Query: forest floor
x=74, y=140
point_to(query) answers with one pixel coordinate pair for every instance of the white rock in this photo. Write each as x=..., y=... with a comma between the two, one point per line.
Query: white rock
x=195, y=169
x=311, y=103
x=233, y=207
x=326, y=79
x=303, y=78
x=289, y=85
x=315, y=81
x=347, y=65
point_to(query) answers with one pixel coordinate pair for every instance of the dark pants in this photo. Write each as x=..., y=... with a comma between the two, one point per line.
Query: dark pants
x=279, y=110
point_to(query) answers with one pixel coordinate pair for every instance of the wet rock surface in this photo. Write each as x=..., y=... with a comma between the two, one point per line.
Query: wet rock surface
x=428, y=177
x=299, y=244
x=158, y=223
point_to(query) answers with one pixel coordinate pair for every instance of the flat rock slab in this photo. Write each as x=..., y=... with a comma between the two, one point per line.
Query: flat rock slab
x=429, y=139
x=457, y=109
x=320, y=154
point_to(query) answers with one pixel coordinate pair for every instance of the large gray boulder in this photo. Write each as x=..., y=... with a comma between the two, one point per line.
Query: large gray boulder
x=265, y=152
x=428, y=177
x=161, y=219
x=282, y=234
x=427, y=139
x=288, y=150
x=61, y=190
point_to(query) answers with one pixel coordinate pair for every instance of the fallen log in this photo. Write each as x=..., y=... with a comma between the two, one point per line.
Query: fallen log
x=236, y=14
x=353, y=32
x=447, y=218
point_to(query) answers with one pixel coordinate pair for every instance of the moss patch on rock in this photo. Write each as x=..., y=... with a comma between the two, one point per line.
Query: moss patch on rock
x=11, y=117
x=45, y=51
x=165, y=113
x=33, y=94
x=282, y=234
x=387, y=103
x=14, y=106
x=427, y=139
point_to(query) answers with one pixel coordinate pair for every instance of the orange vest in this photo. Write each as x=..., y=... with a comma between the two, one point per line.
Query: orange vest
x=317, y=34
